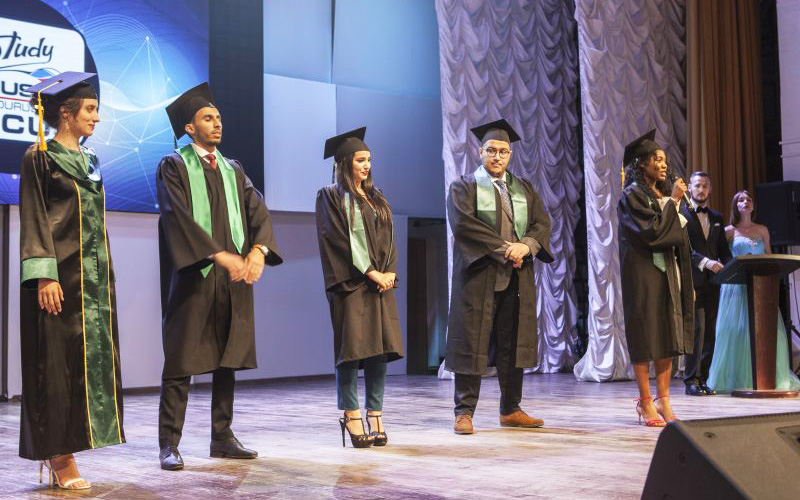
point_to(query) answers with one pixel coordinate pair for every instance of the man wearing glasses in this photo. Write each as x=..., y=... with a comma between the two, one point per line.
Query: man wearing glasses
x=499, y=226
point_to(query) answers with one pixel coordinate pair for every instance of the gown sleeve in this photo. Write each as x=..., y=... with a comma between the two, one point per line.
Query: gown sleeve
x=647, y=227
x=37, y=251
x=188, y=243
x=538, y=228
x=259, y=220
x=334, y=239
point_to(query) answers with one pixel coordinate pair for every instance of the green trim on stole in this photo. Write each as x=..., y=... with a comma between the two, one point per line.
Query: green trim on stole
x=201, y=207
x=70, y=161
x=487, y=203
x=99, y=363
x=358, y=236
x=39, y=267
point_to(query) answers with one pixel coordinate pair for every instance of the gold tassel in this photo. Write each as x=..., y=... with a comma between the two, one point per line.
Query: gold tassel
x=623, y=177
x=42, y=146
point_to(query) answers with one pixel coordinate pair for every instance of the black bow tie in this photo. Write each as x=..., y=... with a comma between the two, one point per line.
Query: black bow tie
x=701, y=210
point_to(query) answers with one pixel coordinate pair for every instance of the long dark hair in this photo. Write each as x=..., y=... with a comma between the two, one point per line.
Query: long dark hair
x=634, y=172
x=343, y=173
x=736, y=217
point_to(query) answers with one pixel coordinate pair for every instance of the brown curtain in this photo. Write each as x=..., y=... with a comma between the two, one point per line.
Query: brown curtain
x=724, y=107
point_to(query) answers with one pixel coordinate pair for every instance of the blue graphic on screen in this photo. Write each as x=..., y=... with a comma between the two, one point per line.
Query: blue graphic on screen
x=145, y=54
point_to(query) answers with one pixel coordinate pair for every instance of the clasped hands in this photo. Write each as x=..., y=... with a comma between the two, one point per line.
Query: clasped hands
x=246, y=269
x=516, y=252
x=385, y=281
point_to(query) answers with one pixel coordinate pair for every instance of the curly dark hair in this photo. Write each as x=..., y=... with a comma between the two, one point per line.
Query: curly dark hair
x=343, y=172
x=634, y=172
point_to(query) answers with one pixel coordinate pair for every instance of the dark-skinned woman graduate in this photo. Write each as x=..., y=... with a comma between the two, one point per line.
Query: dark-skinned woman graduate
x=71, y=384
x=655, y=262
x=359, y=262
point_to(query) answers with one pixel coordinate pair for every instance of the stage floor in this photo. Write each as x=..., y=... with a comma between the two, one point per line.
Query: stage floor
x=590, y=446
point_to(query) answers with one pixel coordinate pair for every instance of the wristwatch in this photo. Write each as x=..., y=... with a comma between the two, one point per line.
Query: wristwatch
x=262, y=248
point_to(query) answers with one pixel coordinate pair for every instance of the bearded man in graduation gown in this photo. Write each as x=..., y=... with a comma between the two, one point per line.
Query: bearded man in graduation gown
x=215, y=236
x=710, y=252
x=499, y=227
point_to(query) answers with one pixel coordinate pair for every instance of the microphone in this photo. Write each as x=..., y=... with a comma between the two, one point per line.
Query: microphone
x=672, y=178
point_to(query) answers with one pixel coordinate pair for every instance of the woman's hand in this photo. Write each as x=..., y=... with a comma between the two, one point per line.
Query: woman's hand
x=679, y=190
x=50, y=295
x=385, y=281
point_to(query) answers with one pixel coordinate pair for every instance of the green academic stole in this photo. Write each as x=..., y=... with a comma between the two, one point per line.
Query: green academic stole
x=97, y=315
x=487, y=203
x=201, y=208
x=358, y=236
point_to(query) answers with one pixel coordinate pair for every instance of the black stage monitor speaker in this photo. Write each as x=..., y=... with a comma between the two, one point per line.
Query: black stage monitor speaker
x=778, y=208
x=727, y=458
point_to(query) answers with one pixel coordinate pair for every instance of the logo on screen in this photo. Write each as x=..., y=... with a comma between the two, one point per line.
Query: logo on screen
x=29, y=54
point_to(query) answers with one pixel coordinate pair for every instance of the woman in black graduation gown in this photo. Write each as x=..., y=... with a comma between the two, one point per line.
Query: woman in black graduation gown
x=359, y=260
x=657, y=292
x=71, y=384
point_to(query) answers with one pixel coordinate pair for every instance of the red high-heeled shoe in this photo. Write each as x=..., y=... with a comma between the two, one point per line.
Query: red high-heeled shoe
x=648, y=423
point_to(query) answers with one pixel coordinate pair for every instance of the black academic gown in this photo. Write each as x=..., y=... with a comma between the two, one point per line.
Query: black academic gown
x=207, y=322
x=472, y=293
x=71, y=383
x=365, y=321
x=659, y=311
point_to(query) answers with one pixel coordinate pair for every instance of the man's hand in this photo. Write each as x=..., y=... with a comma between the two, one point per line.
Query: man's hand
x=253, y=266
x=715, y=266
x=50, y=295
x=385, y=281
x=232, y=263
x=517, y=252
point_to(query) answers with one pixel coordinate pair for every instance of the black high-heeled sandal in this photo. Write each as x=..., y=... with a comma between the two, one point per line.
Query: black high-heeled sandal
x=358, y=440
x=380, y=437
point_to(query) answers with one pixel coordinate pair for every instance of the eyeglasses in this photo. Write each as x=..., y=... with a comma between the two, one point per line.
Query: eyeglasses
x=490, y=151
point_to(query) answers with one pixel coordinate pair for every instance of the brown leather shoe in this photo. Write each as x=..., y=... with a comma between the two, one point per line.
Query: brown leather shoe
x=520, y=419
x=463, y=424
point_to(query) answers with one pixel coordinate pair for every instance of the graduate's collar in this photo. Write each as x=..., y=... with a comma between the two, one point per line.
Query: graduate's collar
x=202, y=153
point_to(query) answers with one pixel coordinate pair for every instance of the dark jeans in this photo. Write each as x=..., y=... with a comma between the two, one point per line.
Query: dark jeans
x=374, y=381
x=175, y=397
x=705, y=329
x=502, y=350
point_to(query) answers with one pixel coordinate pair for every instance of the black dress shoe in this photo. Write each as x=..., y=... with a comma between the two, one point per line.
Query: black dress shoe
x=694, y=389
x=708, y=390
x=231, y=448
x=170, y=458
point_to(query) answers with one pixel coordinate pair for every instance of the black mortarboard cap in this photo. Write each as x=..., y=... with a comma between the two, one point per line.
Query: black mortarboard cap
x=641, y=147
x=345, y=144
x=182, y=110
x=499, y=130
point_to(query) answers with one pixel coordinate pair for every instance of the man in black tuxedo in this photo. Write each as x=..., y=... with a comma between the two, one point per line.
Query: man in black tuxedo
x=710, y=251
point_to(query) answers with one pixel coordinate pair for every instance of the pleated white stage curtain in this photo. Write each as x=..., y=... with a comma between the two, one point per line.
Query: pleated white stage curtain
x=517, y=60
x=632, y=54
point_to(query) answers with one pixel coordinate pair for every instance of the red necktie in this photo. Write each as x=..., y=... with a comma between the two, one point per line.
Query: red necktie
x=212, y=159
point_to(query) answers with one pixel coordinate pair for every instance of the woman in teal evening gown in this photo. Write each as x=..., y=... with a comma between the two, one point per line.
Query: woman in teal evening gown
x=730, y=367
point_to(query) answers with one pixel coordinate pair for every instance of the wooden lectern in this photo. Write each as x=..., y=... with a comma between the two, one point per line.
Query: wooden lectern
x=762, y=275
